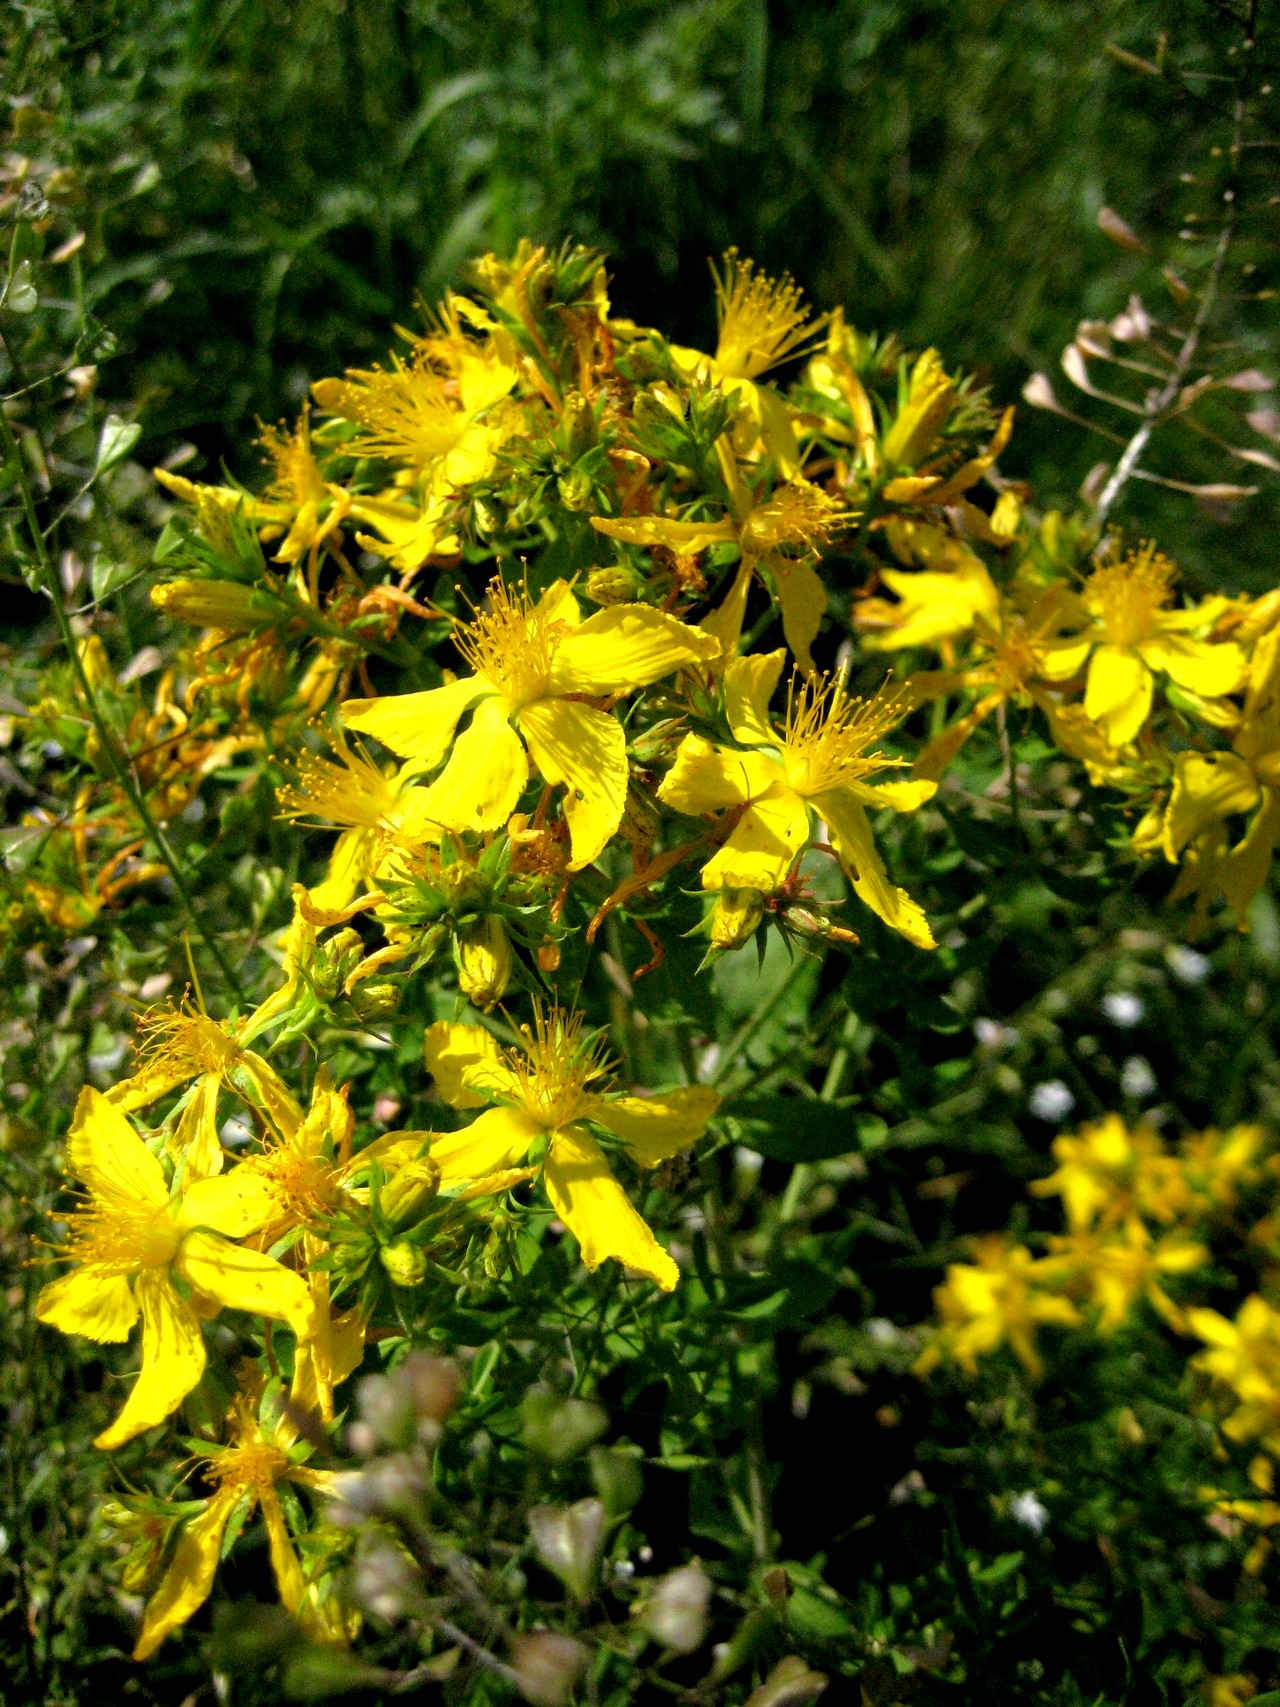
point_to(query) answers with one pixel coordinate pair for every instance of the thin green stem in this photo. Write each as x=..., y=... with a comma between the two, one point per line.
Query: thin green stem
x=118, y=761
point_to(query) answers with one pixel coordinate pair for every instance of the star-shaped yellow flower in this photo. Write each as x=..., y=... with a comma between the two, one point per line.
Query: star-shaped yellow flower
x=546, y=1101
x=823, y=760
x=132, y=1242
x=536, y=664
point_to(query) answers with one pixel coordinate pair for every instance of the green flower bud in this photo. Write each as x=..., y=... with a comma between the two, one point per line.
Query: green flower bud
x=226, y=605
x=405, y=1196
x=465, y=888
x=406, y=1264
x=614, y=586
x=375, y=998
x=576, y=489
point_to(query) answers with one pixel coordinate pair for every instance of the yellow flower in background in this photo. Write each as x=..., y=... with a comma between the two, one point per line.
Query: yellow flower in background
x=1244, y=1357
x=1133, y=636
x=546, y=1103
x=1107, y=1170
x=1126, y=1264
x=245, y=1474
x=1003, y=1297
x=535, y=663
x=822, y=759
x=939, y=602
x=132, y=1241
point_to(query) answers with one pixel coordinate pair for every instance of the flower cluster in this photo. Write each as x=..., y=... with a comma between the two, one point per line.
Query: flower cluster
x=1141, y=1218
x=542, y=618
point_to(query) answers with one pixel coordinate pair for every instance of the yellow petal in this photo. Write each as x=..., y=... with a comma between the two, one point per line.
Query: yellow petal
x=99, y=1306
x=1206, y=788
x=186, y=1584
x=466, y=1064
x=493, y=1143
x=1117, y=695
x=284, y=1559
x=260, y=1084
x=861, y=860
x=487, y=770
x=173, y=1360
x=240, y=1279
x=585, y=750
x=108, y=1156
x=1059, y=660
x=323, y=1362
x=1244, y=870
x=724, y=625
x=416, y=725
x=687, y=538
x=196, y=1140
x=763, y=843
x=626, y=646
x=802, y=598
x=654, y=1128
x=348, y=867
x=234, y=1203
x=902, y=796
x=709, y=779
x=596, y=1210
x=749, y=684
x=558, y=604
x=1198, y=665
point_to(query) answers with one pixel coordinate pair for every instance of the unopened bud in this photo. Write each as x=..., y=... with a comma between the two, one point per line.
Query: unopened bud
x=406, y=1264
x=405, y=1196
x=567, y=1540
x=616, y=586
x=465, y=888
x=546, y=1666
x=226, y=605
x=484, y=961
x=375, y=998
x=675, y=1613
x=334, y=961
x=736, y=917
x=576, y=489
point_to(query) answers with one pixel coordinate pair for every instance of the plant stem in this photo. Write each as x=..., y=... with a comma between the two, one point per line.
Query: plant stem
x=118, y=761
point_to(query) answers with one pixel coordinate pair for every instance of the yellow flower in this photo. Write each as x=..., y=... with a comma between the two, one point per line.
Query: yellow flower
x=1210, y=788
x=133, y=1240
x=534, y=663
x=1107, y=1170
x=378, y=811
x=937, y=603
x=546, y=1102
x=820, y=760
x=1122, y=1267
x=1133, y=634
x=762, y=323
x=796, y=517
x=1003, y=1296
x=1244, y=1357
x=245, y=1473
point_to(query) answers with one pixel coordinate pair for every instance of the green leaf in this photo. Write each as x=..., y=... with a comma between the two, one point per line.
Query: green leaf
x=20, y=295
x=118, y=439
x=106, y=574
x=793, y=1129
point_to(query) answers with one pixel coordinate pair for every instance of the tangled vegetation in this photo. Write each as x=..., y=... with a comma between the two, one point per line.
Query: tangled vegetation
x=608, y=1092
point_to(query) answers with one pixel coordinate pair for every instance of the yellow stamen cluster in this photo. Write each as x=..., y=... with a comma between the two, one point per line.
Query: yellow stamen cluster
x=403, y=412
x=555, y=1064
x=512, y=643
x=828, y=734
x=762, y=320
x=1125, y=596
x=350, y=791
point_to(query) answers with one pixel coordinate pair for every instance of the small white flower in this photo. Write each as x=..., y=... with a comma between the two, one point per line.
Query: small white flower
x=1187, y=964
x=992, y=1034
x=1051, y=1100
x=1025, y=1508
x=1123, y=1008
x=1136, y=1077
